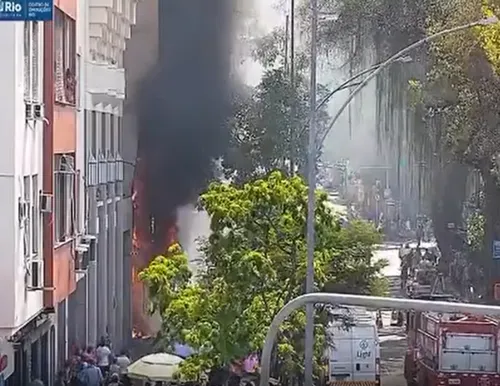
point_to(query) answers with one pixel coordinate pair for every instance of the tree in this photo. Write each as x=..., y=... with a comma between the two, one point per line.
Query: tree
x=453, y=129
x=255, y=262
x=269, y=129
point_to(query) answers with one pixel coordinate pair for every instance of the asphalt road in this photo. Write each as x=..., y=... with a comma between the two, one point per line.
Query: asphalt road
x=392, y=339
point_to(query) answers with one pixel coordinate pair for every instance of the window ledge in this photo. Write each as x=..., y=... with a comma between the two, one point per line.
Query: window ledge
x=59, y=244
x=65, y=104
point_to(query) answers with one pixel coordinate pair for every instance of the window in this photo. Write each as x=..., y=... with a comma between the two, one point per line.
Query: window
x=104, y=128
x=93, y=134
x=35, y=216
x=119, y=135
x=112, y=133
x=65, y=208
x=32, y=61
x=24, y=213
x=65, y=58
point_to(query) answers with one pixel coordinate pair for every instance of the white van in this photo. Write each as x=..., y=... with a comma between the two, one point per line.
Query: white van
x=354, y=350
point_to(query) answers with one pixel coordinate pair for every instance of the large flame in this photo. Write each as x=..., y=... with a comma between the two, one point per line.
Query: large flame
x=145, y=246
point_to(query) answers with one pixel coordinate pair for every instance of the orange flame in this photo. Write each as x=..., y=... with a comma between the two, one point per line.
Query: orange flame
x=143, y=250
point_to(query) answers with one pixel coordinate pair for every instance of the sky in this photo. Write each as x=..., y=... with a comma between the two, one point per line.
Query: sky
x=268, y=17
x=357, y=143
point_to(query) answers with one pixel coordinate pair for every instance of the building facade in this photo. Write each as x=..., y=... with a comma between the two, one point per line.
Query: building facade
x=27, y=330
x=66, y=274
x=107, y=28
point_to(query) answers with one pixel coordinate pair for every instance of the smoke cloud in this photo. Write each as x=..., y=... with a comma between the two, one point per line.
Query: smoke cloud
x=185, y=102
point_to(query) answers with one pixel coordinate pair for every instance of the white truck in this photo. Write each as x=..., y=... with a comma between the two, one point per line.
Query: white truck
x=353, y=347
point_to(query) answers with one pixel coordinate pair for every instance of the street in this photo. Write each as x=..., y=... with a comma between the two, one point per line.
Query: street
x=392, y=339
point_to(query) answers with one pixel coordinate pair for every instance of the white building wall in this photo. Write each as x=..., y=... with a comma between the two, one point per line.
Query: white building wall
x=20, y=156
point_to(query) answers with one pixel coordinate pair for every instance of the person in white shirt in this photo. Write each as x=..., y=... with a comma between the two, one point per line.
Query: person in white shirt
x=123, y=360
x=103, y=356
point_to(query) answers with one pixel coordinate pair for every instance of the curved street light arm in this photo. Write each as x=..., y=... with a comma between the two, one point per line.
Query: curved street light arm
x=363, y=301
x=345, y=85
x=393, y=59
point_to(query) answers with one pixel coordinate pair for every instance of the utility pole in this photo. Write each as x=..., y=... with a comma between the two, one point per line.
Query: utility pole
x=311, y=202
x=287, y=27
x=293, y=122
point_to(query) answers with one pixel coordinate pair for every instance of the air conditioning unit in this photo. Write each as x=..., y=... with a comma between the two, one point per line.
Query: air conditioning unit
x=81, y=257
x=34, y=275
x=29, y=111
x=46, y=203
x=38, y=111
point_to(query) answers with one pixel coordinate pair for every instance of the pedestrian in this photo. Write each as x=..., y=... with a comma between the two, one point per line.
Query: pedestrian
x=114, y=367
x=123, y=360
x=103, y=356
x=89, y=374
x=114, y=380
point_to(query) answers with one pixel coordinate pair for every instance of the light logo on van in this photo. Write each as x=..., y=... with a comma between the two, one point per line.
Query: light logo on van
x=363, y=353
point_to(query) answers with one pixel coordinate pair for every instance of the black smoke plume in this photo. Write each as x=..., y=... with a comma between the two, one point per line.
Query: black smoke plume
x=184, y=103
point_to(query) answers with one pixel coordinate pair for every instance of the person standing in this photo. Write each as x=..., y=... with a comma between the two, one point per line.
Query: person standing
x=103, y=356
x=123, y=360
x=89, y=374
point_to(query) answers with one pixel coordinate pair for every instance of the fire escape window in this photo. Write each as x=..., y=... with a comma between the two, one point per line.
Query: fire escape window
x=32, y=61
x=65, y=58
x=64, y=197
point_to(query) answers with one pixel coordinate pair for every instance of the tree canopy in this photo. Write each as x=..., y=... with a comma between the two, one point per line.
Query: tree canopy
x=255, y=262
x=269, y=129
x=439, y=113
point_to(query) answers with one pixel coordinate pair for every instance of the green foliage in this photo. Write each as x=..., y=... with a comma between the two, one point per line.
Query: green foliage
x=475, y=231
x=165, y=277
x=415, y=92
x=269, y=130
x=454, y=84
x=262, y=137
x=255, y=262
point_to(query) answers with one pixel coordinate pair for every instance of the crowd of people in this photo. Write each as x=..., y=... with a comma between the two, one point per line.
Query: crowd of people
x=95, y=366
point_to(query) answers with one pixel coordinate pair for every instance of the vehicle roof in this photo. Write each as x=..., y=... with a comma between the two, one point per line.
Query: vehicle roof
x=458, y=317
x=353, y=315
x=423, y=244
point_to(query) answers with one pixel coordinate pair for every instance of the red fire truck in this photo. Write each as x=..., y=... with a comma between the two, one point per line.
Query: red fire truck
x=451, y=349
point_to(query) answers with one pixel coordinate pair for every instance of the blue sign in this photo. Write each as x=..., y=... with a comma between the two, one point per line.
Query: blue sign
x=26, y=10
x=496, y=249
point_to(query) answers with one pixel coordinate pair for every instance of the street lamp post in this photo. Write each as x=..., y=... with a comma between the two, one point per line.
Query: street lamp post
x=348, y=82
x=398, y=56
x=311, y=204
